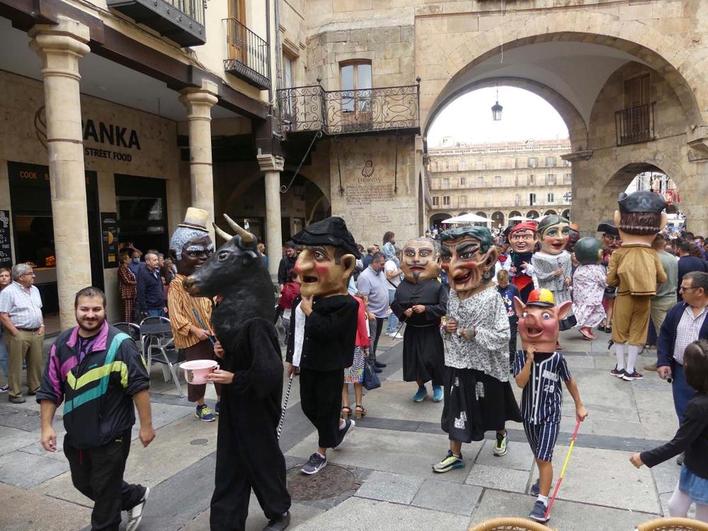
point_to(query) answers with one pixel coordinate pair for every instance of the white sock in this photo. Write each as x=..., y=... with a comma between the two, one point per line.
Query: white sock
x=543, y=498
x=619, y=352
x=632, y=353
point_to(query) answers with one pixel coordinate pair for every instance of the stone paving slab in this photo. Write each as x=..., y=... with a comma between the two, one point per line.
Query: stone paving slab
x=498, y=478
x=27, y=470
x=390, y=451
x=394, y=398
x=26, y=511
x=666, y=475
x=447, y=497
x=384, y=486
x=12, y=439
x=518, y=457
x=358, y=514
x=299, y=514
x=566, y=516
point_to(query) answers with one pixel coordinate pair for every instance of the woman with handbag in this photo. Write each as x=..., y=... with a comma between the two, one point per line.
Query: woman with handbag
x=355, y=374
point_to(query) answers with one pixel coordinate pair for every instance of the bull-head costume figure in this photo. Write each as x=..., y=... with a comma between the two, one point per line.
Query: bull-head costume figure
x=421, y=301
x=247, y=455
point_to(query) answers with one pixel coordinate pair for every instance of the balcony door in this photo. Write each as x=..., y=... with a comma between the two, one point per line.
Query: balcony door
x=236, y=31
x=355, y=83
x=637, y=98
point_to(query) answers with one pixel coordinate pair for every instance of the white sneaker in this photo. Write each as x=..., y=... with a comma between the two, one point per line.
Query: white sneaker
x=135, y=515
x=397, y=335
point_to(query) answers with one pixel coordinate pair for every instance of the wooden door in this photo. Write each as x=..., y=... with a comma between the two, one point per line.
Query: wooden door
x=236, y=35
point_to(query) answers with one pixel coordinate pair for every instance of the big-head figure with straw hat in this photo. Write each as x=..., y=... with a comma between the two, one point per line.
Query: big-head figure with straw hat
x=539, y=370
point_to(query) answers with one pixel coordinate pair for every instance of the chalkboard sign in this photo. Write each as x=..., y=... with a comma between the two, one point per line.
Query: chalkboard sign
x=109, y=228
x=5, y=245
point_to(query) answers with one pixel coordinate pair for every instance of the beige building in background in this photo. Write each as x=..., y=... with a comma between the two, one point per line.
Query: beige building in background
x=501, y=180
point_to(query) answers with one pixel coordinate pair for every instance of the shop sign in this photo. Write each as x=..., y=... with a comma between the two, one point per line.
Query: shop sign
x=5, y=245
x=109, y=232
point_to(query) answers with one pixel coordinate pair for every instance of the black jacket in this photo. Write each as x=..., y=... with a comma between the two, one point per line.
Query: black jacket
x=691, y=438
x=667, y=335
x=284, y=268
x=151, y=292
x=330, y=331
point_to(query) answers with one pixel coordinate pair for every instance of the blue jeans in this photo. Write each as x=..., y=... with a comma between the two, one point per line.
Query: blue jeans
x=392, y=319
x=682, y=392
x=3, y=353
x=156, y=312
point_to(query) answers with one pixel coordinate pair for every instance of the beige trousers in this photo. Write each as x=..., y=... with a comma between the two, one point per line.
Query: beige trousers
x=24, y=344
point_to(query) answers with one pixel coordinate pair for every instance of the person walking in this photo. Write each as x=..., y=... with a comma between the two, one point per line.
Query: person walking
x=687, y=262
x=393, y=278
x=665, y=297
x=128, y=287
x=5, y=279
x=287, y=263
x=21, y=315
x=100, y=376
x=372, y=286
x=150, y=293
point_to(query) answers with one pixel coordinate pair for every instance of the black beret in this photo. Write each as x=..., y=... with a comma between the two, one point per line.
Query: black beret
x=608, y=228
x=643, y=201
x=330, y=231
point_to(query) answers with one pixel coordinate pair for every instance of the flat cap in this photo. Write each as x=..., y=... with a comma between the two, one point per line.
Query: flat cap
x=524, y=225
x=329, y=231
x=643, y=201
x=607, y=227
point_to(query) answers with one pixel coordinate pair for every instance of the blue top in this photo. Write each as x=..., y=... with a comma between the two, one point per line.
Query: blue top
x=507, y=294
x=542, y=397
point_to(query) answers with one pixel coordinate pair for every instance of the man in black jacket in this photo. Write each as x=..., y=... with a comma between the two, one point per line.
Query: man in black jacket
x=323, y=329
x=151, y=292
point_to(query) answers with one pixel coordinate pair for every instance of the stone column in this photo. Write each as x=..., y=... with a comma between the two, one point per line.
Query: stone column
x=271, y=166
x=60, y=47
x=199, y=102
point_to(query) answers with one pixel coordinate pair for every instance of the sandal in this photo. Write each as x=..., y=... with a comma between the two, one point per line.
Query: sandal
x=359, y=411
x=346, y=412
x=586, y=335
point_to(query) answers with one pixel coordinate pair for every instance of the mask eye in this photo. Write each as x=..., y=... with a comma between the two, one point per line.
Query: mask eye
x=524, y=314
x=223, y=255
x=546, y=316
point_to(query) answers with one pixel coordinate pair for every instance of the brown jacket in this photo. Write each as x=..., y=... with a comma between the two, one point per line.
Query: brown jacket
x=635, y=270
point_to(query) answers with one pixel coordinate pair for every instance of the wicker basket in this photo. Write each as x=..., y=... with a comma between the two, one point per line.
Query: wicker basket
x=510, y=524
x=673, y=524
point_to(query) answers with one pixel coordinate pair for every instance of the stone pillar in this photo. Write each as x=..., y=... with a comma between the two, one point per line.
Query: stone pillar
x=60, y=48
x=271, y=166
x=199, y=102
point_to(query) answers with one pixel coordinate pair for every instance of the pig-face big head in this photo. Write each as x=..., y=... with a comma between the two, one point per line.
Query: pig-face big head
x=539, y=320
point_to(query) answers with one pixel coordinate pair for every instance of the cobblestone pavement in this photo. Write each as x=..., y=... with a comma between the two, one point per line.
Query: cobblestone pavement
x=381, y=477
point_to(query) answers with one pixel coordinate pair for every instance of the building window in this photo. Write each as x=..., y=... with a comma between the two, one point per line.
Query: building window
x=550, y=162
x=355, y=82
x=533, y=162
x=288, y=67
x=462, y=201
x=436, y=200
x=446, y=200
x=531, y=180
x=446, y=183
x=462, y=181
x=532, y=199
x=550, y=179
x=567, y=178
x=497, y=180
x=550, y=198
x=517, y=200
x=480, y=180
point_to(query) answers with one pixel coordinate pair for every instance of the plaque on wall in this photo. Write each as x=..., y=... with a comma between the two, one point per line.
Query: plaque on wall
x=5, y=240
x=109, y=231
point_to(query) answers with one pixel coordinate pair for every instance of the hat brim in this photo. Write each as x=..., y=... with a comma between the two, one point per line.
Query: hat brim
x=540, y=304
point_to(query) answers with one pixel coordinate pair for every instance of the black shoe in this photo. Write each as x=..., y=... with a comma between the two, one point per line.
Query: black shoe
x=379, y=364
x=376, y=369
x=16, y=399
x=278, y=524
x=32, y=393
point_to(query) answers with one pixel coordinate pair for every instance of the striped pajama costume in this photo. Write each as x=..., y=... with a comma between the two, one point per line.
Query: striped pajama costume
x=541, y=400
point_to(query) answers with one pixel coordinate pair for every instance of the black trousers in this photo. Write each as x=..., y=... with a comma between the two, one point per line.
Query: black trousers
x=247, y=457
x=321, y=400
x=377, y=335
x=98, y=474
x=514, y=327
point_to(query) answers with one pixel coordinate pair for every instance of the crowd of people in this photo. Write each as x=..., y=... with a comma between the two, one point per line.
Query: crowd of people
x=458, y=301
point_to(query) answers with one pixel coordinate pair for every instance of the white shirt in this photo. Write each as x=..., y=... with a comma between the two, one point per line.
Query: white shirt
x=389, y=267
x=23, y=305
x=687, y=331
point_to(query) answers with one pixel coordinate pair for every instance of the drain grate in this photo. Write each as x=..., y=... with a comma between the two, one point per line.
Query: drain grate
x=329, y=482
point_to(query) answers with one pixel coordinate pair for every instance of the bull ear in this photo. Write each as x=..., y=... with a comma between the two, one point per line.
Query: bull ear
x=519, y=306
x=563, y=309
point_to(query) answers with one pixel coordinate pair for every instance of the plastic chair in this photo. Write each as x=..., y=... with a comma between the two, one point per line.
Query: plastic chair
x=509, y=524
x=673, y=524
x=160, y=344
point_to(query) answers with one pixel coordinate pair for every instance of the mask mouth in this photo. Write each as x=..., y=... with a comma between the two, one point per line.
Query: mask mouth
x=533, y=332
x=309, y=279
x=462, y=278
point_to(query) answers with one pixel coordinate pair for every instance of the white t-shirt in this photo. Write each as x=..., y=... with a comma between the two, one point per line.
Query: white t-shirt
x=389, y=267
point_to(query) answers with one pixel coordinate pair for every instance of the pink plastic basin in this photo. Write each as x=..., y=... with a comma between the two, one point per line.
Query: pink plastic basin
x=195, y=372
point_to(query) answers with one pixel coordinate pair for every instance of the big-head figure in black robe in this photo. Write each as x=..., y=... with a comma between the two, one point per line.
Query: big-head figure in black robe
x=420, y=302
x=247, y=452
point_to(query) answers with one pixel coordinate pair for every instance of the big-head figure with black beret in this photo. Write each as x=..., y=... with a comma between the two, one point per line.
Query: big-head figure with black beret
x=635, y=269
x=323, y=329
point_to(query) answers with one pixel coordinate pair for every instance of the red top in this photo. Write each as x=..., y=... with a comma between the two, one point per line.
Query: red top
x=362, y=336
x=290, y=292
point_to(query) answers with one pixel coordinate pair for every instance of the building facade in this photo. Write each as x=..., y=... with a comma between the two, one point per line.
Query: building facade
x=499, y=181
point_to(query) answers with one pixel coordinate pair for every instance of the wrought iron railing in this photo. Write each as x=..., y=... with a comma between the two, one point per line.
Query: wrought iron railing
x=336, y=112
x=194, y=9
x=635, y=124
x=249, y=56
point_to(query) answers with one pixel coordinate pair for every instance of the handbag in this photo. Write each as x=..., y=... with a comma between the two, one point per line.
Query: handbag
x=567, y=323
x=371, y=379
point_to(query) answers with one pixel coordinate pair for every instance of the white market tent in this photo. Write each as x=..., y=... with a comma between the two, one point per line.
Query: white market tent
x=521, y=218
x=467, y=219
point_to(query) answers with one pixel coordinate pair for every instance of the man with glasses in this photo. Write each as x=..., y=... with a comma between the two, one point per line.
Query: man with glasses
x=21, y=315
x=685, y=323
x=190, y=317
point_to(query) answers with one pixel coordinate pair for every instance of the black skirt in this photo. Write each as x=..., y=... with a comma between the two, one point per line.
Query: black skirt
x=423, y=355
x=475, y=403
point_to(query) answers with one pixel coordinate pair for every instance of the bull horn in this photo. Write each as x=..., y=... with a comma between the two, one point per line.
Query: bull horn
x=246, y=236
x=221, y=232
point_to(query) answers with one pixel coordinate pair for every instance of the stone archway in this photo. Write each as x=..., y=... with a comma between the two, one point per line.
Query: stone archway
x=498, y=219
x=533, y=214
x=438, y=218
x=550, y=212
x=566, y=214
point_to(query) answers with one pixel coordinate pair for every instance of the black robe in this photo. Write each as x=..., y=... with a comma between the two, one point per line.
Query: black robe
x=423, y=351
x=522, y=281
x=247, y=453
